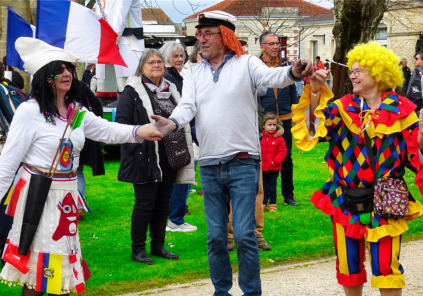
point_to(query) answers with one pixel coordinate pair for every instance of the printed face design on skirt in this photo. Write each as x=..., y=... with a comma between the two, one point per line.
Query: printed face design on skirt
x=68, y=223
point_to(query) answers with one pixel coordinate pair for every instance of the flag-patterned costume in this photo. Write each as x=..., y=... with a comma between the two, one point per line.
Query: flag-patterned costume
x=393, y=133
x=54, y=263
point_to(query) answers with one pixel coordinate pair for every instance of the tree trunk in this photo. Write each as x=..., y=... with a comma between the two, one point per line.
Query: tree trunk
x=356, y=21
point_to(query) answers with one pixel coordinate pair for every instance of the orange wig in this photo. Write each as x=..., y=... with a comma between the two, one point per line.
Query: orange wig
x=231, y=41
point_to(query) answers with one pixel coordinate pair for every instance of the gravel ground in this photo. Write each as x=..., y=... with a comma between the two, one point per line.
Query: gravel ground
x=307, y=278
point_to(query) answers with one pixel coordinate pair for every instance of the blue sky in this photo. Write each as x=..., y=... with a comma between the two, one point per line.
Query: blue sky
x=177, y=10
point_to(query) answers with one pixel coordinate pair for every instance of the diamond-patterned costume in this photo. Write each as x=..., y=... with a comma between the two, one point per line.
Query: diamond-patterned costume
x=393, y=134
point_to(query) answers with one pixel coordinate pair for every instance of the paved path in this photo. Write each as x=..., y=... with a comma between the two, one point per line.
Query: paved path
x=307, y=278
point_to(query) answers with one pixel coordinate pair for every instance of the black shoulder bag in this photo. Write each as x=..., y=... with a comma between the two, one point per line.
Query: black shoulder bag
x=360, y=199
x=175, y=144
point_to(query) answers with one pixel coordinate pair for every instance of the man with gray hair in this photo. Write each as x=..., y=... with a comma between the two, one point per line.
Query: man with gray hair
x=221, y=93
x=279, y=102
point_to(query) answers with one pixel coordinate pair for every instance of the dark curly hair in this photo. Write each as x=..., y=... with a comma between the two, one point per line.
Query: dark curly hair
x=45, y=93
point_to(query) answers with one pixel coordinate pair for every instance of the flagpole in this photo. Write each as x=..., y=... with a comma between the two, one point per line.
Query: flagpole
x=103, y=13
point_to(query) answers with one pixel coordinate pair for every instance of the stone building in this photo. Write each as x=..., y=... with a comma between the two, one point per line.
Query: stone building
x=404, y=26
x=257, y=16
x=400, y=30
x=320, y=42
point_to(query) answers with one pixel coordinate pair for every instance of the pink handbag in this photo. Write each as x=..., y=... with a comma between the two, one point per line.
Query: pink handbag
x=391, y=198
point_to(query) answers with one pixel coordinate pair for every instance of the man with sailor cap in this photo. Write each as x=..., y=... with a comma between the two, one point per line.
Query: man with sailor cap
x=220, y=92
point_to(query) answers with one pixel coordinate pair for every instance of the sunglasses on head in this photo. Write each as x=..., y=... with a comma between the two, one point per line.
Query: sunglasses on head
x=63, y=68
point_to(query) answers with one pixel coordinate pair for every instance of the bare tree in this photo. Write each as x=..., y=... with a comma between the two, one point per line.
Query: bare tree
x=357, y=21
x=278, y=16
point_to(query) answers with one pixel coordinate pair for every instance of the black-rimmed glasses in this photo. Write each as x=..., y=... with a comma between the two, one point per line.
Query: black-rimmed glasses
x=272, y=43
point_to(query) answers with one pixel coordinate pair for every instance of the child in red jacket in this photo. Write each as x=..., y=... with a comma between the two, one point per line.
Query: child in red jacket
x=273, y=153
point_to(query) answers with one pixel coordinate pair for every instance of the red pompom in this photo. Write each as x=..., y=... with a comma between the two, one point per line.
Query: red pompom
x=368, y=175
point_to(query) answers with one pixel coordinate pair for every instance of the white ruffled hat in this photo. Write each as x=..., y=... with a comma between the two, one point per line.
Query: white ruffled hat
x=35, y=54
x=216, y=18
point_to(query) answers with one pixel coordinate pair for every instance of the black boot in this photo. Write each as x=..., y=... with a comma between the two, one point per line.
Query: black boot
x=141, y=257
x=164, y=254
x=290, y=201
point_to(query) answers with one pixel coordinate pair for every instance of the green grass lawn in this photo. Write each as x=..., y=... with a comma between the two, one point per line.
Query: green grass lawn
x=294, y=233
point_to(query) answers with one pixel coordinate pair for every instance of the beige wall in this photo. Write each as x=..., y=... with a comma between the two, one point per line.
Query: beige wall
x=404, y=29
x=326, y=45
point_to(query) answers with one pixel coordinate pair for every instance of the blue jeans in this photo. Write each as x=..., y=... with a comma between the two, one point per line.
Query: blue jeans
x=178, y=201
x=269, y=187
x=237, y=182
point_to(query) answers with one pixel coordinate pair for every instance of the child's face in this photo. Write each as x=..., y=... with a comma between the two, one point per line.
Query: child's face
x=270, y=126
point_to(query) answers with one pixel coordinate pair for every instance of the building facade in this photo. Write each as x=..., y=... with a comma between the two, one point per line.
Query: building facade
x=254, y=17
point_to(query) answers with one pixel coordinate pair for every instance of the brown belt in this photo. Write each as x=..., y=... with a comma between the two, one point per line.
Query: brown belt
x=242, y=155
x=68, y=174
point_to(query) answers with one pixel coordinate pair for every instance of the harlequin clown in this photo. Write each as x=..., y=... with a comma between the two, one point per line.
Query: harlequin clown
x=392, y=129
x=53, y=264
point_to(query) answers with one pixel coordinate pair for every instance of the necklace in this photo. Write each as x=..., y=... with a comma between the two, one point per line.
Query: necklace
x=361, y=115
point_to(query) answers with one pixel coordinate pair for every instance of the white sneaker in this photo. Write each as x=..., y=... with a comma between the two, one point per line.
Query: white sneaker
x=181, y=228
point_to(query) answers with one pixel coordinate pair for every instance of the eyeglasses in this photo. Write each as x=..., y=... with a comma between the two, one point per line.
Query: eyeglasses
x=272, y=43
x=152, y=63
x=206, y=35
x=63, y=68
x=417, y=59
x=356, y=72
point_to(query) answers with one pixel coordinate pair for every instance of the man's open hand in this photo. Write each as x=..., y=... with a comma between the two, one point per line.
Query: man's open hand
x=165, y=126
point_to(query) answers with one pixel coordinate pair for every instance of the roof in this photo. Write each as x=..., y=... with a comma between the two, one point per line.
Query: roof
x=254, y=7
x=327, y=16
x=155, y=14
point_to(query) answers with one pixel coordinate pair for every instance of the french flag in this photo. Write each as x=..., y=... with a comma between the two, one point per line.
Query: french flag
x=75, y=28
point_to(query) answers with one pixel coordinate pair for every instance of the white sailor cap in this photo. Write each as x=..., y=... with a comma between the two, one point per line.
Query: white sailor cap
x=216, y=18
x=35, y=54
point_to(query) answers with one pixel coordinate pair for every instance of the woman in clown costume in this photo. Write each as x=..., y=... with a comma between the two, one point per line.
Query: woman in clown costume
x=393, y=132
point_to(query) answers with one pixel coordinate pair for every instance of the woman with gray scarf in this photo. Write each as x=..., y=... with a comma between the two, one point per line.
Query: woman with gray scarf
x=147, y=165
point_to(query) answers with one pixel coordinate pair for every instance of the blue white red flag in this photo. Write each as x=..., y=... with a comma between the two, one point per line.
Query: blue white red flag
x=75, y=28
x=16, y=27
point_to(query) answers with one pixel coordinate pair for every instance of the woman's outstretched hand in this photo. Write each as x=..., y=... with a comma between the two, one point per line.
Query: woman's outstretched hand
x=318, y=79
x=149, y=132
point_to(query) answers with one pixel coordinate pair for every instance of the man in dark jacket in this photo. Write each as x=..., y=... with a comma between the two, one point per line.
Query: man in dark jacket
x=406, y=72
x=17, y=80
x=414, y=89
x=279, y=101
x=88, y=74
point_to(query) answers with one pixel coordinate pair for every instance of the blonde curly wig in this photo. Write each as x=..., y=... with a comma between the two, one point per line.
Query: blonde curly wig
x=381, y=63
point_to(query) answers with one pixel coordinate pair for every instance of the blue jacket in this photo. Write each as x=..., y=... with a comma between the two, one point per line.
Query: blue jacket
x=286, y=97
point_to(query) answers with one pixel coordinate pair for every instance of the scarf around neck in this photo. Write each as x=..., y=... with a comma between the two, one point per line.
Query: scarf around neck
x=162, y=92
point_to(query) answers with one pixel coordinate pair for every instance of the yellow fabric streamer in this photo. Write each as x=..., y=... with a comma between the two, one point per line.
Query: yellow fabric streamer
x=300, y=131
